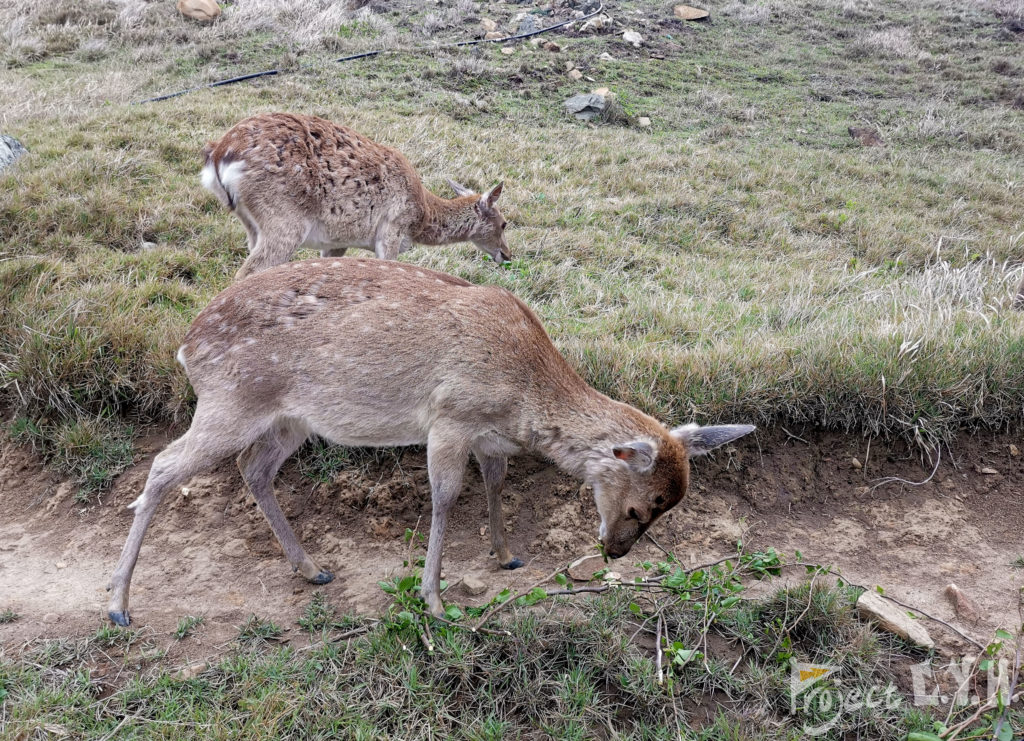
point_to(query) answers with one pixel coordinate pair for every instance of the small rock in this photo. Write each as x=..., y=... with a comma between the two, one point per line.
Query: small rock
x=856, y=464
x=483, y=530
x=866, y=136
x=586, y=106
x=988, y=471
x=612, y=576
x=603, y=91
x=595, y=24
x=10, y=150
x=965, y=608
x=551, y=46
x=528, y=24
x=489, y=25
x=492, y=35
x=506, y=50
x=51, y=617
x=204, y=11
x=191, y=671
x=632, y=37
x=892, y=618
x=473, y=585
x=61, y=565
x=582, y=569
x=235, y=548
x=643, y=122
x=1014, y=450
x=575, y=74
x=606, y=57
x=689, y=13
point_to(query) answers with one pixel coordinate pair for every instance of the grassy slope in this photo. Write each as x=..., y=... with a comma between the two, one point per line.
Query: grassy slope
x=743, y=259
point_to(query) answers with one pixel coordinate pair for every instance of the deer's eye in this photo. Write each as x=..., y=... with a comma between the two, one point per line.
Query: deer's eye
x=503, y=225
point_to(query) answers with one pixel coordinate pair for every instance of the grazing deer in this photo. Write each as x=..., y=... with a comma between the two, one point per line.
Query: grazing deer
x=372, y=352
x=301, y=181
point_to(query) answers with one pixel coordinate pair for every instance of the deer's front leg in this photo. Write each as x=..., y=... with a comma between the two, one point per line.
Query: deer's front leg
x=388, y=243
x=446, y=460
x=493, y=469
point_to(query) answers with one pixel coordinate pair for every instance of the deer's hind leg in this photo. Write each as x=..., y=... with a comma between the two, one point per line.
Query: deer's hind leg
x=276, y=242
x=493, y=469
x=207, y=441
x=259, y=464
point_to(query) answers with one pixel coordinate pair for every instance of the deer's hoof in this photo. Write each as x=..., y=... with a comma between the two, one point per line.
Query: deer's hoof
x=515, y=563
x=120, y=617
x=324, y=577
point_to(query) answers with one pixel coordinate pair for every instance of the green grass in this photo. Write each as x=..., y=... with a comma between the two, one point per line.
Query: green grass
x=187, y=626
x=569, y=670
x=741, y=260
x=8, y=616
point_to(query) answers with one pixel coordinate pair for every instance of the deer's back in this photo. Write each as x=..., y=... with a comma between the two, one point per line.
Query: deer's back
x=317, y=165
x=399, y=336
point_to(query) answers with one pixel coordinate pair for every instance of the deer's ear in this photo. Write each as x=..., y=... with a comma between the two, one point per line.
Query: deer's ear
x=492, y=195
x=702, y=440
x=459, y=188
x=638, y=455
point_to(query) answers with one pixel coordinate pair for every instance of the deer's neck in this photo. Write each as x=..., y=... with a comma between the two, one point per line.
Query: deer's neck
x=581, y=430
x=446, y=221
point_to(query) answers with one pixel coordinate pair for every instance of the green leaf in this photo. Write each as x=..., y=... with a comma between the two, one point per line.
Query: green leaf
x=452, y=612
x=406, y=583
x=1004, y=635
x=879, y=589
x=1005, y=733
x=562, y=579
x=503, y=595
x=922, y=736
x=387, y=586
x=405, y=617
x=799, y=556
x=634, y=608
x=985, y=664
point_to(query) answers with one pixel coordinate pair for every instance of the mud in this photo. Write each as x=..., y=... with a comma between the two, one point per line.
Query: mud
x=209, y=551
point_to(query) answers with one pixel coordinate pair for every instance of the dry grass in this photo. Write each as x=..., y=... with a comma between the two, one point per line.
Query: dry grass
x=742, y=259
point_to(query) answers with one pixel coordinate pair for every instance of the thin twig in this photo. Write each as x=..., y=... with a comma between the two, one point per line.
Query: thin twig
x=657, y=644
x=897, y=479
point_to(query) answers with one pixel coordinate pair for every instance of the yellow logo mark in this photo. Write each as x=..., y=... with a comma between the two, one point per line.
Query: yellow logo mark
x=814, y=673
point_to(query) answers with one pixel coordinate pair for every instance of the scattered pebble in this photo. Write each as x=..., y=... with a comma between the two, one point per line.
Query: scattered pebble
x=606, y=57
x=506, y=50
x=473, y=585
x=10, y=150
x=988, y=471
x=632, y=37
x=690, y=13
x=575, y=74
x=489, y=25
x=893, y=619
x=856, y=464
x=204, y=11
x=61, y=565
x=191, y=671
x=965, y=608
x=551, y=46
x=492, y=35
x=586, y=106
x=1014, y=450
x=601, y=91
x=643, y=122
x=51, y=617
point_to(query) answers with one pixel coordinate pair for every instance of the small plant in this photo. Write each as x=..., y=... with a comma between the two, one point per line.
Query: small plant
x=318, y=615
x=257, y=629
x=112, y=635
x=186, y=625
x=1018, y=563
x=8, y=616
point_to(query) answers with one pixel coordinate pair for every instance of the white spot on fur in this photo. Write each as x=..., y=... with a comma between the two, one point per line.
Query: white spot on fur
x=180, y=357
x=273, y=357
x=230, y=176
x=138, y=502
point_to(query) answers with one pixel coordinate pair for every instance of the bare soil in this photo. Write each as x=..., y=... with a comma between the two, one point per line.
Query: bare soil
x=209, y=551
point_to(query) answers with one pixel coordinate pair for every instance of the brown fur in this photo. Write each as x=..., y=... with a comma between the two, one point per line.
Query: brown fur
x=296, y=180
x=370, y=352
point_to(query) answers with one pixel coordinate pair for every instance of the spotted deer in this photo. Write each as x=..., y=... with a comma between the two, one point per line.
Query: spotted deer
x=301, y=181
x=377, y=353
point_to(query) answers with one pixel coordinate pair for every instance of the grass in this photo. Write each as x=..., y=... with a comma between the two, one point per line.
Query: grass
x=741, y=260
x=8, y=616
x=187, y=626
x=569, y=669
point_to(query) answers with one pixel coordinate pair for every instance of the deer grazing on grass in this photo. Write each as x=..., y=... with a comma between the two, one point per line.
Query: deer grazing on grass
x=379, y=353
x=301, y=181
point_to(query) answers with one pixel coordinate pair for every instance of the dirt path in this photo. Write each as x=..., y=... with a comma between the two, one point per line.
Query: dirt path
x=210, y=553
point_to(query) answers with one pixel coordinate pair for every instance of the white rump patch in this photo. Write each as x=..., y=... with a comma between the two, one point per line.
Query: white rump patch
x=231, y=175
x=138, y=502
x=180, y=357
